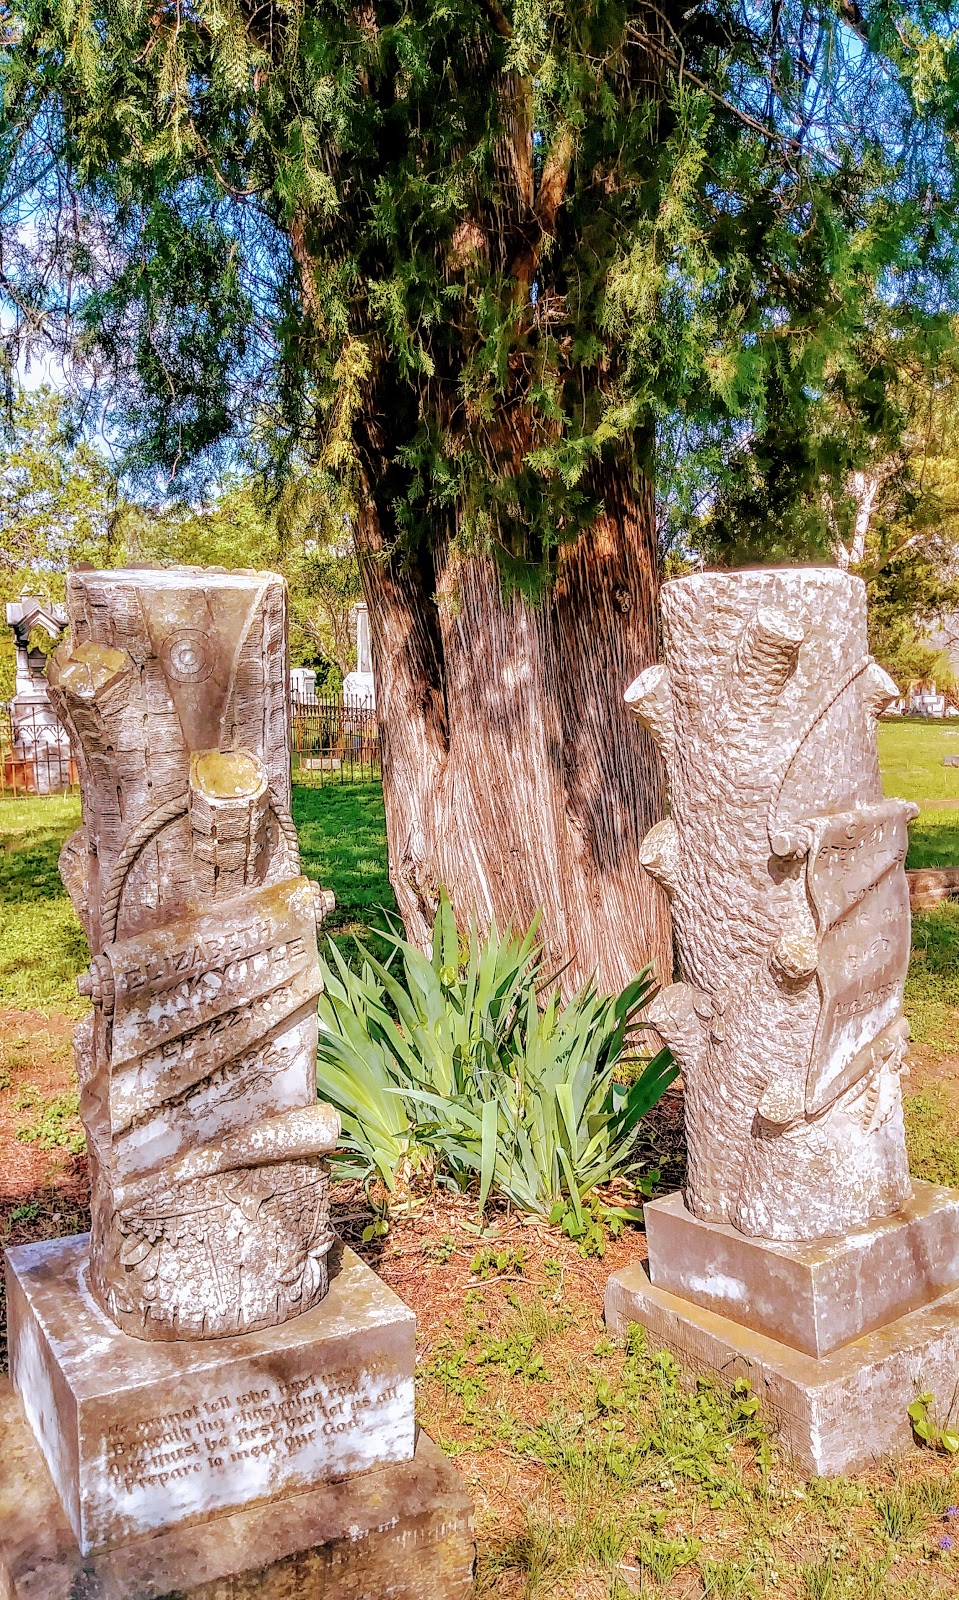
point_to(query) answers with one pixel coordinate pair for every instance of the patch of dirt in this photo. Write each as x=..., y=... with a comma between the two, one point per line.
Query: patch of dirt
x=411, y=1257
x=36, y=1054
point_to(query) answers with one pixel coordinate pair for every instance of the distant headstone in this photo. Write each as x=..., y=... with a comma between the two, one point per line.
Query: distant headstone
x=359, y=686
x=303, y=684
x=41, y=748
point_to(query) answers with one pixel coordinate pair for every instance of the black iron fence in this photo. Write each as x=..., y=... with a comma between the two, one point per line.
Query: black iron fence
x=329, y=743
x=333, y=743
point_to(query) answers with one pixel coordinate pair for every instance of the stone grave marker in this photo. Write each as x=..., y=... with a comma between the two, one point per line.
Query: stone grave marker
x=209, y=1353
x=801, y=1254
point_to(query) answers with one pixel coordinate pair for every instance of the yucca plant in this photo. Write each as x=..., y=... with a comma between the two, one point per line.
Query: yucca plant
x=471, y=1062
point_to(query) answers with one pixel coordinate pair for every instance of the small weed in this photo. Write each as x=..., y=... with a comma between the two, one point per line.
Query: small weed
x=940, y=1496
x=539, y=1319
x=491, y=1263
x=900, y=1512
x=55, y=1124
x=608, y=1539
x=440, y=1251
x=517, y=1355
x=926, y=1427
x=835, y=1497
x=729, y=1580
x=543, y=1551
x=27, y=1213
x=591, y=1224
x=6, y=1081
x=820, y=1580
x=663, y=1557
x=452, y=1369
x=377, y=1229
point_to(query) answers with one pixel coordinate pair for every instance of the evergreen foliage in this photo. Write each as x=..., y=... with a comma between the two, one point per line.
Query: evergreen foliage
x=472, y=252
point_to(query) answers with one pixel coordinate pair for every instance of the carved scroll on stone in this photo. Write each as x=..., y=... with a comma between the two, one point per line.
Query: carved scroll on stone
x=197, y=1066
x=784, y=865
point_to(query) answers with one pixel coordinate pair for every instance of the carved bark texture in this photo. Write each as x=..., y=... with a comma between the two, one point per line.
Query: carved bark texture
x=197, y=1066
x=784, y=866
x=508, y=776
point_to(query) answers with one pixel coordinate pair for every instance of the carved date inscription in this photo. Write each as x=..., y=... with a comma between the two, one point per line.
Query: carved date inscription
x=217, y=1437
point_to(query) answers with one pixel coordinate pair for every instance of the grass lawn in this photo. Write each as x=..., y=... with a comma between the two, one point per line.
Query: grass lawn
x=598, y=1470
x=42, y=946
x=342, y=832
x=911, y=754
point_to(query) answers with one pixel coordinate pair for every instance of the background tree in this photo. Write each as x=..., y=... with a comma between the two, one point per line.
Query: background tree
x=60, y=505
x=878, y=486
x=469, y=256
x=58, y=498
x=301, y=536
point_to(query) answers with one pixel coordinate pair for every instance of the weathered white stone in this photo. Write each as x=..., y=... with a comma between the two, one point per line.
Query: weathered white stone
x=784, y=866
x=842, y=1412
x=195, y=1382
x=197, y=1068
x=140, y=1436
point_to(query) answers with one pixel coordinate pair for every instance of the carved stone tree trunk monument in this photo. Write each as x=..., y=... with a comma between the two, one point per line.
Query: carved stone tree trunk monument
x=197, y=1065
x=195, y=1354
x=801, y=1251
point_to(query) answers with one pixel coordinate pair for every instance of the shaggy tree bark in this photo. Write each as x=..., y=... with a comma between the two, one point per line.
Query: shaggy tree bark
x=512, y=773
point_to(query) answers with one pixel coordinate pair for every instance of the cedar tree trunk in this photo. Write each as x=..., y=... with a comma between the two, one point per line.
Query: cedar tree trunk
x=512, y=772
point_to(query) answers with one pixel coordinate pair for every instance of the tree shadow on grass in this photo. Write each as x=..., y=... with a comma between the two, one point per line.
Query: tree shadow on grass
x=42, y=946
x=32, y=831
x=28, y=865
x=934, y=840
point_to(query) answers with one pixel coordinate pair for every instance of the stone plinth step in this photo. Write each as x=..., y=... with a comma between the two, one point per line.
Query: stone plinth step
x=813, y=1295
x=142, y=1434
x=837, y=1413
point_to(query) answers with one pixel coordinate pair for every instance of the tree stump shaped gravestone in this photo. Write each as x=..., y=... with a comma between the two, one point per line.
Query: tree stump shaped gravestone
x=800, y=1254
x=197, y=1066
x=209, y=1392
x=784, y=867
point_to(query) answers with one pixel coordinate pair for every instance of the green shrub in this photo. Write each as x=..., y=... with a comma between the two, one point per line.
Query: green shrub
x=476, y=1068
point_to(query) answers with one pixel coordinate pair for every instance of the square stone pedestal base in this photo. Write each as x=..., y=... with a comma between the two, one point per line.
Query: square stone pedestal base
x=401, y=1531
x=142, y=1434
x=815, y=1295
x=836, y=1413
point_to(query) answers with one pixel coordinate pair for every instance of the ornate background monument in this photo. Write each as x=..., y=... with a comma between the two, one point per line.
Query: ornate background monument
x=195, y=1357
x=784, y=866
